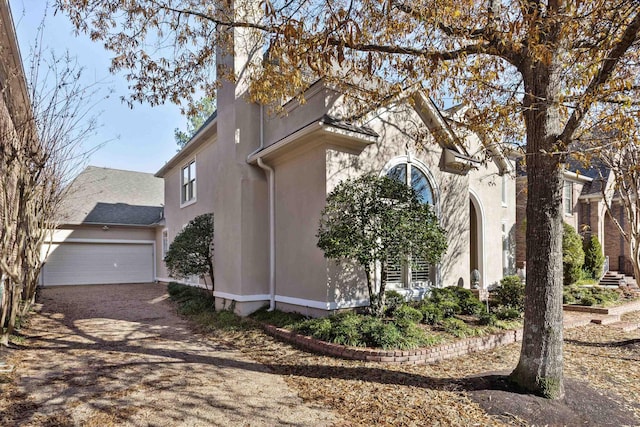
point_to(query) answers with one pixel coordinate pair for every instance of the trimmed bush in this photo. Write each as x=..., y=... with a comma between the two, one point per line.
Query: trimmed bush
x=406, y=315
x=487, y=319
x=510, y=293
x=457, y=327
x=431, y=313
x=589, y=295
x=593, y=257
x=394, y=300
x=507, y=313
x=572, y=255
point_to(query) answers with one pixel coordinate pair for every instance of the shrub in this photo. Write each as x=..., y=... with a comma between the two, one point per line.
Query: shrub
x=406, y=314
x=510, y=293
x=456, y=327
x=507, y=313
x=589, y=296
x=431, y=313
x=195, y=306
x=487, y=319
x=572, y=254
x=468, y=302
x=593, y=257
x=394, y=300
x=281, y=319
x=346, y=329
x=317, y=328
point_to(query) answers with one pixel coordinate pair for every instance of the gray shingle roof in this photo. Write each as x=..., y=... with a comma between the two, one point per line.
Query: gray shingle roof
x=111, y=196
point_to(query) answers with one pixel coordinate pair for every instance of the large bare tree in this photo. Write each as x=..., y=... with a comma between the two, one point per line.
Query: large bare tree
x=41, y=151
x=535, y=71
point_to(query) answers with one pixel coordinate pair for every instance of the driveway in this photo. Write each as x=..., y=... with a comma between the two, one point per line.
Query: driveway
x=119, y=355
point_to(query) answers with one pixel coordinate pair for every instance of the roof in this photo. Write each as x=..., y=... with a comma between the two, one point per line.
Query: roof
x=112, y=196
x=196, y=140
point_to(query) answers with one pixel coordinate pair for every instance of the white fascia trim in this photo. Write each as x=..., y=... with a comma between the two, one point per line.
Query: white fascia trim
x=124, y=241
x=322, y=305
x=180, y=281
x=242, y=298
x=574, y=176
x=315, y=125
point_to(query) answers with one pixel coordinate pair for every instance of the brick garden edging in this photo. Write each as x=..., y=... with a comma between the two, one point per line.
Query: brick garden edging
x=619, y=309
x=417, y=356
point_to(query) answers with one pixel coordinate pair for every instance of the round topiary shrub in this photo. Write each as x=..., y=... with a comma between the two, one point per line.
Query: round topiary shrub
x=572, y=255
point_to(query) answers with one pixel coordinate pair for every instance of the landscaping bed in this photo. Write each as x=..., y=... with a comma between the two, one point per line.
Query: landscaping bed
x=595, y=299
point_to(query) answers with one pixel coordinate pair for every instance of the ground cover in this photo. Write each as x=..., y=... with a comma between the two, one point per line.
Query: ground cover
x=601, y=365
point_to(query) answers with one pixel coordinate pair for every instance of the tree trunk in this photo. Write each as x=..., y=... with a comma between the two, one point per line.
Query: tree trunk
x=540, y=368
x=382, y=298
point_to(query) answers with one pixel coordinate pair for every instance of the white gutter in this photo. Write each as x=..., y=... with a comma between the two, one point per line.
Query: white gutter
x=272, y=212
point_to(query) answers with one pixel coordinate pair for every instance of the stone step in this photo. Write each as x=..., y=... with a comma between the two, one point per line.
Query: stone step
x=624, y=326
x=606, y=319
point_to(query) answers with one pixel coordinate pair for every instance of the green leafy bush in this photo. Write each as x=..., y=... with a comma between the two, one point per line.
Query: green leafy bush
x=507, y=313
x=572, y=254
x=593, y=257
x=487, y=319
x=406, y=314
x=431, y=313
x=456, y=327
x=594, y=295
x=281, y=319
x=510, y=293
x=394, y=300
x=367, y=331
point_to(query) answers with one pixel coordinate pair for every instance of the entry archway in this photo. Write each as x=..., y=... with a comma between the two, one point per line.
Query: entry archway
x=476, y=236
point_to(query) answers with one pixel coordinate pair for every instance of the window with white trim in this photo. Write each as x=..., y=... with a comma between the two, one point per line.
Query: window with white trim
x=505, y=185
x=188, y=183
x=165, y=242
x=418, y=271
x=567, y=197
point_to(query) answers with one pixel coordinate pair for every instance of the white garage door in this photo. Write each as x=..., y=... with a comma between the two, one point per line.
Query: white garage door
x=98, y=263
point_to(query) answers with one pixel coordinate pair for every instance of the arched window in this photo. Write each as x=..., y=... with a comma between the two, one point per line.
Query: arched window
x=419, y=273
x=416, y=178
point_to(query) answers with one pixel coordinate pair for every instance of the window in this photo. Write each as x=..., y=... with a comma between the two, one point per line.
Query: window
x=188, y=187
x=418, y=272
x=505, y=185
x=165, y=242
x=567, y=198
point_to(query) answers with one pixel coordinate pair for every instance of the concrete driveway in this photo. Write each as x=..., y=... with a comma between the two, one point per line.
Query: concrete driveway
x=119, y=355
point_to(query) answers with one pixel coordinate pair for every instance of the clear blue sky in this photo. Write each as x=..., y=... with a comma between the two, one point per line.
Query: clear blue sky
x=139, y=139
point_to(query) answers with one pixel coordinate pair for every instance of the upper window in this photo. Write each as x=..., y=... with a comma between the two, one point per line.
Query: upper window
x=188, y=183
x=419, y=181
x=567, y=197
x=165, y=242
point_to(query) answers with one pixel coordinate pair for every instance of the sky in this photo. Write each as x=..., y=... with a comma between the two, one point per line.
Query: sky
x=139, y=139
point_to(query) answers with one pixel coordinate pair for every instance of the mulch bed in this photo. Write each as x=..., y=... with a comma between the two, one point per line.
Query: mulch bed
x=602, y=367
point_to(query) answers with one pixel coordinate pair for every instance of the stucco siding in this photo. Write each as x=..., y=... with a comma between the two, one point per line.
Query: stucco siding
x=300, y=198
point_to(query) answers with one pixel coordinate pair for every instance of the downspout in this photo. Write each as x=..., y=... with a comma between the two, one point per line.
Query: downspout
x=272, y=229
x=272, y=214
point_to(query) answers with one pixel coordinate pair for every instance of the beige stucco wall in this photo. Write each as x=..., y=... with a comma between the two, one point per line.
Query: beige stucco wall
x=177, y=216
x=300, y=195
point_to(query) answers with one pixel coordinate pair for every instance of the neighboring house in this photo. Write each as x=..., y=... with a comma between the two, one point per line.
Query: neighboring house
x=107, y=230
x=266, y=180
x=584, y=209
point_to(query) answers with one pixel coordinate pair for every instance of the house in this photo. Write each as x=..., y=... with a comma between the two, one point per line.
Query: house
x=107, y=230
x=584, y=208
x=266, y=179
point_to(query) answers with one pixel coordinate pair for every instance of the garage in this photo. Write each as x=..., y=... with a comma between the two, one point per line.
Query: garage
x=108, y=262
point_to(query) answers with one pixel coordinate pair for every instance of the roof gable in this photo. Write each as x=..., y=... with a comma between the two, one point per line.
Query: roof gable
x=111, y=196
